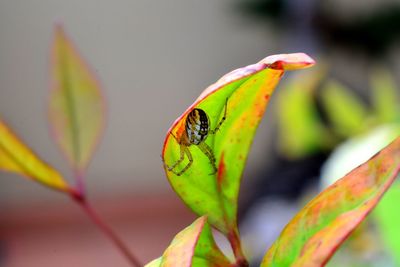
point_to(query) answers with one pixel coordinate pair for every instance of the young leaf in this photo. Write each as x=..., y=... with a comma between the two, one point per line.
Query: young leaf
x=315, y=233
x=244, y=93
x=385, y=98
x=346, y=112
x=301, y=130
x=193, y=246
x=16, y=157
x=76, y=106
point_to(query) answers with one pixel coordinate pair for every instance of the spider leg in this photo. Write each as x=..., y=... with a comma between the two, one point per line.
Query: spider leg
x=182, y=157
x=171, y=133
x=209, y=153
x=222, y=119
x=189, y=155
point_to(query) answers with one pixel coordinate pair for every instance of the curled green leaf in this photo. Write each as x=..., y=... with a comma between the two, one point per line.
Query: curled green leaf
x=206, y=174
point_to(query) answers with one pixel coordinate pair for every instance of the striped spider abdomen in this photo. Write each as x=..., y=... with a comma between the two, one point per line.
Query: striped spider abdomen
x=197, y=126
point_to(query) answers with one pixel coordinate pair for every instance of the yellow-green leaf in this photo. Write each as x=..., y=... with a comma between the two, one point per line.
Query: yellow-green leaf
x=301, y=130
x=345, y=111
x=244, y=94
x=315, y=233
x=193, y=246
x=76, y=106
x=385, y=97
x=16, y=157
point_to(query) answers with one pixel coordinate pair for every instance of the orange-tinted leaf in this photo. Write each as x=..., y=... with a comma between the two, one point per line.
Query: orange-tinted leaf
x=315, y=233
x=16, y=157
x=244, y=93
x=193, y=246
x=76, y=107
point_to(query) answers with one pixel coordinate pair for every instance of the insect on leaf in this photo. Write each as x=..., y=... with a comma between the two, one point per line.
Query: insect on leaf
x=16, y=157
x=244, y=94
x=76, y=106
x=193, y=246
x=314, y=234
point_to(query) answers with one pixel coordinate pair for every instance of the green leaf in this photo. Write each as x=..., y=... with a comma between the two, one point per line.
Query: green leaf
x=315, y=233
x=387, y=218
x=193, y=246
x=301, y=131
x=76, y=106
x=16, y=157
x=385, y=98
x=345, y=111
x=246, y=91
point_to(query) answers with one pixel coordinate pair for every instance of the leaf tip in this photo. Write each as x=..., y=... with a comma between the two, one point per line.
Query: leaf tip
x=293, y=61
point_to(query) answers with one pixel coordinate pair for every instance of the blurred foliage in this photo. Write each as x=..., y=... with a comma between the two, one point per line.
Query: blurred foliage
x=316, y=102
x=373, y=32
x=315, y=114
x=322, y=225
x=376, y=242
x=76, y=106
x=297, y=113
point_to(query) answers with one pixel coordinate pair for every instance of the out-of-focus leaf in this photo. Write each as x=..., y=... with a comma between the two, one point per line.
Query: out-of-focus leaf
x=248, y=91
x=76, y=106
x=154, y=263
x=315, y=233
x=387, y=218
x=356, y=151
x=16, y=157
x=385, y=98
x=345, y=111
x=301, y=131
x=193, y=246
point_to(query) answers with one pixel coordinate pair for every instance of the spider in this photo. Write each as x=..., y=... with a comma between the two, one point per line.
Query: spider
x=197, y=128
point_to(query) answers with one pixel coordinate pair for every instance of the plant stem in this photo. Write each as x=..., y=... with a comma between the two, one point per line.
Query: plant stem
x=107, y=230
x=236, y=245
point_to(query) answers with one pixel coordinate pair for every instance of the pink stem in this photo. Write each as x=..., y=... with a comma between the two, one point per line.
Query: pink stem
x=106, y=230
x=236, y=245
x=80, y=184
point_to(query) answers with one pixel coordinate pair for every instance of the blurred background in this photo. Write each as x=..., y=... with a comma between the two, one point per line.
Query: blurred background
x=153, y=59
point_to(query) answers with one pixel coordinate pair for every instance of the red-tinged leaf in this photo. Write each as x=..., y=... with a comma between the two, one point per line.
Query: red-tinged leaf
x=315, y=233
x=76, y=106
x=16, y=157
x=193, y=246
x=244, y=94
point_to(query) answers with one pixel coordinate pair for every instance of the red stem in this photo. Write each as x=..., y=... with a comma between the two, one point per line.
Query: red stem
x=236, y=245
x=107, y=231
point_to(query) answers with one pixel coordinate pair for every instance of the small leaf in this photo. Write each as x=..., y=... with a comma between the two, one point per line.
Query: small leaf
x=16, y=157
x=301, y=130
x=346, y=112
x=385, y=98
x=244, y=93
x=315, y=233
x=76, y=106
x=193, y=246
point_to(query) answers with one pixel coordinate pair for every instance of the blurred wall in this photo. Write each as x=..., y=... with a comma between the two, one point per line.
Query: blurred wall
x=153, y=59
